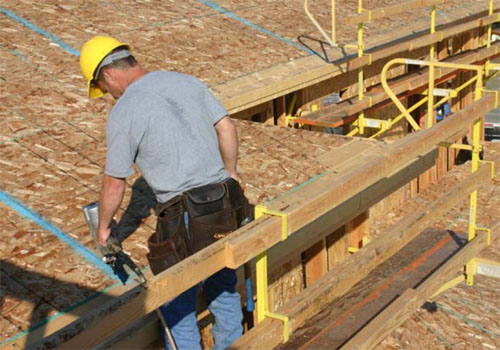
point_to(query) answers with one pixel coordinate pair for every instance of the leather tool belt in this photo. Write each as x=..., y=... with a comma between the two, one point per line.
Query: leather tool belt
x=214, y=211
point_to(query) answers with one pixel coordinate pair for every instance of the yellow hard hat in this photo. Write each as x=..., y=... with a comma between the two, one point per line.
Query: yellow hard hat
x=91, y=55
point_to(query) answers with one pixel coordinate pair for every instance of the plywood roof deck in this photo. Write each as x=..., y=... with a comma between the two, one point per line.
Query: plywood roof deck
x=52, y=136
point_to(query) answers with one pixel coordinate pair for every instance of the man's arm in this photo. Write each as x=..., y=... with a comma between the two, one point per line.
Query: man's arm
x=110, y=199
x=228, y=144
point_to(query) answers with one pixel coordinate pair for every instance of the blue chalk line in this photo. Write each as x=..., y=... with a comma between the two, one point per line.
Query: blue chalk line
x=80, y=249
x=244, y=21
x=40, y=31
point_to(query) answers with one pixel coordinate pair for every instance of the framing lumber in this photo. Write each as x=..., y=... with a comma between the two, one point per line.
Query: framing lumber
x=407, y=303
x=370, y=15
x=303, y=206
x=251, y=90
x=336, y=115
x=334, y=188
x=346, y=274
x=348, y=210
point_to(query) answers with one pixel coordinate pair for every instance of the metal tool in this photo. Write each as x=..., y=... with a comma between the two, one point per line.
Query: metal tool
x=113, y=254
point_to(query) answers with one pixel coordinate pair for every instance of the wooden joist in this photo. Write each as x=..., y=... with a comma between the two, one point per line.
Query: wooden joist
x=370, y=15
x=343, y=276
x=303, y=206
x=403, y=307
x=336, y=114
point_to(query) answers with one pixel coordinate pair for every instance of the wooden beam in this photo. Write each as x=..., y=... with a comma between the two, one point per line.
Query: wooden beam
x=346, y=274
x=303, y=206
x=404, y=306
x=159, y=290
x=368, y=16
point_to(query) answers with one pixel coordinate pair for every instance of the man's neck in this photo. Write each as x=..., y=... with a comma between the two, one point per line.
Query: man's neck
x=136, y=73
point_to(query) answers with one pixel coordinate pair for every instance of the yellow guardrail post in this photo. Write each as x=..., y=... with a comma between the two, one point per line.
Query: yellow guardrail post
x=488, y=38
x=476, y=144
x=361, y=74
x=429, y=121
x=261, y=277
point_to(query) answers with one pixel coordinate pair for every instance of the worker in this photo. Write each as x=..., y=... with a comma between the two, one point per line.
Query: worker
x=185, y=145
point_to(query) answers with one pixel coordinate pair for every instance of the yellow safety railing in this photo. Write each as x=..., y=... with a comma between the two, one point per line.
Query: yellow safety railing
x=365, y=16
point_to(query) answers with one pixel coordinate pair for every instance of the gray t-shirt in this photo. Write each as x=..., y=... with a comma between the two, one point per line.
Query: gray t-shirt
x=164, y=122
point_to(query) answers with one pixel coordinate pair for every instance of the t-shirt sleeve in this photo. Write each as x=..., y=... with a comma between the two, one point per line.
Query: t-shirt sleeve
x=216, y=110
x=121, y=149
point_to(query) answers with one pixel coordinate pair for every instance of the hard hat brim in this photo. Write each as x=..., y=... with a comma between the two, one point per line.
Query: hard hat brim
x=93, y=91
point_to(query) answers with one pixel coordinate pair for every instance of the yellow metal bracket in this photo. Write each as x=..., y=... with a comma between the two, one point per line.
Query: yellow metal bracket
x=291, y=120
x=449, y=284
x=492, y=166
x=488, y=232
x=470, y=271
x=496, y=95
x=261, y=275
x=461, y=146
x=262, y=209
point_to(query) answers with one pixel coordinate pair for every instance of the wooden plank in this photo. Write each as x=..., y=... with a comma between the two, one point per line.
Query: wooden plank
x=338, y=156
x=390, y=11
x=343, y=276
x=403, y=307
x=159, y=290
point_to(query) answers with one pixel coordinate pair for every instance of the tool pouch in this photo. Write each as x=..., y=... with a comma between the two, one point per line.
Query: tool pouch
x=169, y=243
x=211, y=215
x=215, y=210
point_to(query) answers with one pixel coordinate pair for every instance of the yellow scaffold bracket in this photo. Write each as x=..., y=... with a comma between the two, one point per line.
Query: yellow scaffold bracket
x=488, y=232
x=461, y=146
x=492, y=167
x=369, y=14
x=369, y=63
x=261, y=275
x=470, y=271
x=289, y=120
x=370, y=100
x=262, y=209
x=451, y=283
x=496, y=96
x=352, y=250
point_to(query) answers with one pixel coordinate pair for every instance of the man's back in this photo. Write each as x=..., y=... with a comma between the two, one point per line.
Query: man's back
x=165, y=123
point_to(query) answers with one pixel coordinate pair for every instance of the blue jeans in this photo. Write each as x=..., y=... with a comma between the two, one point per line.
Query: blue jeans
x=223, y=302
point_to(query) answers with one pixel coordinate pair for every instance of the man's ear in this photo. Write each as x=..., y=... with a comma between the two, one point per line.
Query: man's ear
x=109, y=75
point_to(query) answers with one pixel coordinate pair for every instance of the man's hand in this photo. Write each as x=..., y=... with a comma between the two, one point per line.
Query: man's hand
x=235, y=177
x=102, y=236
